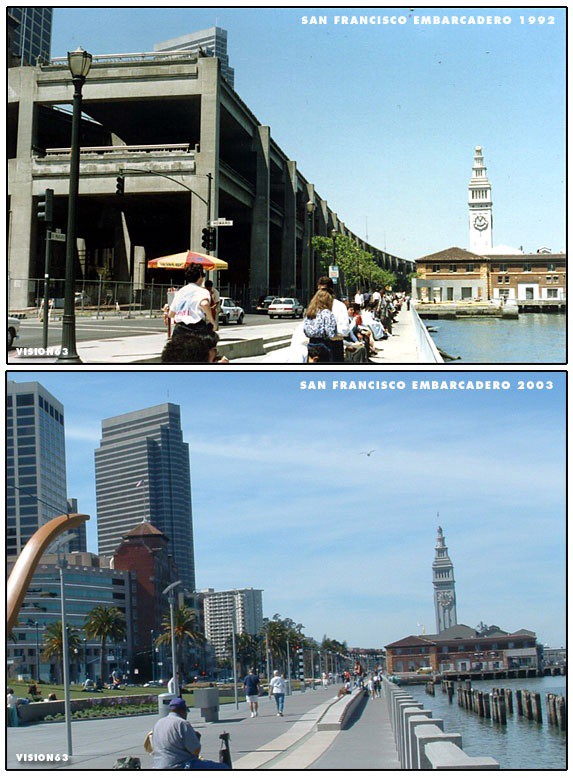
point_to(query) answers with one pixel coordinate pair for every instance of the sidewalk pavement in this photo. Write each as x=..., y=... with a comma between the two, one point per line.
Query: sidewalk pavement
x=264, y=742
x=147, y=348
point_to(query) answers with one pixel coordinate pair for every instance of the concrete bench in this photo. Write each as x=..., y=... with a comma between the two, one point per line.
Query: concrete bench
x=339, y=711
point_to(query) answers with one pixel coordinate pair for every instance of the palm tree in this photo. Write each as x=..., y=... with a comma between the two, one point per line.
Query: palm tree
x=105, y=623
x=185, y=620
x=52, y=646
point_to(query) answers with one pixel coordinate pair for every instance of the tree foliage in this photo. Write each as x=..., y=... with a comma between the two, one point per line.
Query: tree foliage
x=357, y=267
x=185, y=627
x=52, y=645
x=105, y=624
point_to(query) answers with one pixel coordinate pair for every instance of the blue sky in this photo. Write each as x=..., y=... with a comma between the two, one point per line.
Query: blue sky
x=340, y=542
x=384, y=119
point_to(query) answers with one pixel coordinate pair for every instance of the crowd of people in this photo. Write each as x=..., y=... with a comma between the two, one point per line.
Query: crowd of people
x=339, y=331
x=333, y=330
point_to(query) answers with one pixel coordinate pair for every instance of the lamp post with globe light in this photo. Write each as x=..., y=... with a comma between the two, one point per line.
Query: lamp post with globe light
x=79, y=63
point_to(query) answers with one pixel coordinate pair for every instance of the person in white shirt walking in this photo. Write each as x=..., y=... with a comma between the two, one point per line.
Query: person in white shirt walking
x=277, y=689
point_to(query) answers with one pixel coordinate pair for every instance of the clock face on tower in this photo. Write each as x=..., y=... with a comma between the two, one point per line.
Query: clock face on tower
x=445, y=598
x=480, y=222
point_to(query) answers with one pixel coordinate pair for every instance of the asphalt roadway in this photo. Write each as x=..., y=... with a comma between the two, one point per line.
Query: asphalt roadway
x=141, y=340
x=266, y=742
x=109, y=325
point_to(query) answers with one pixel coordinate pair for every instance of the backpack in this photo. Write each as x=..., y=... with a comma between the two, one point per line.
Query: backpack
x=127, y=763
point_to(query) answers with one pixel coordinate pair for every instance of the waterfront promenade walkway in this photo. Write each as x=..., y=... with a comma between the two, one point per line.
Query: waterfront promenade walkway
x=265, y=742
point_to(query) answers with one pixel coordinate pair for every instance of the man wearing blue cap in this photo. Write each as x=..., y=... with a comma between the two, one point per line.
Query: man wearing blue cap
x=176, y=745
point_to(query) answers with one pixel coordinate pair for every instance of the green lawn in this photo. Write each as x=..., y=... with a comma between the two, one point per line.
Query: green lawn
x=226, y=693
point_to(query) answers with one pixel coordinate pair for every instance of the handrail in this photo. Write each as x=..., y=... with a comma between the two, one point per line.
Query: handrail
x=121, y=149
x=28, y=560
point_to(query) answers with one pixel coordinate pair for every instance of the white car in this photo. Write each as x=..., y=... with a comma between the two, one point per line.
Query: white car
x=13, y=330
x=230, y=312
x=286, y=306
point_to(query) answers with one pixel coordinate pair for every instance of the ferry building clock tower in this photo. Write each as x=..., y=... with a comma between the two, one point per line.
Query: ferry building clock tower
x=444, y=586
x=480, y=206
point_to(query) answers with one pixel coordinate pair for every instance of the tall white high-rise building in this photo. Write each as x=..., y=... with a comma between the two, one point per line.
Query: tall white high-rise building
x=241, y=608
x=212, y=42
x=480, y=207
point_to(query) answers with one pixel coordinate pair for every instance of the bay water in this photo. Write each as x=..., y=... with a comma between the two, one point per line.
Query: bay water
x=535, y=338
x=519, y=744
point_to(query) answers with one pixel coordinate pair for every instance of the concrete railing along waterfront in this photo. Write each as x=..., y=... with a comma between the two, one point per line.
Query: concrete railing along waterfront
x=420, y=739
x=427, y=349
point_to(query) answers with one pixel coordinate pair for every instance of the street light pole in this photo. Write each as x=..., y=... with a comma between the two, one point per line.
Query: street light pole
x=289, y=687
x=153, y=655
x=79, y=62
x=62, y=564
x=169, y=591
x=233, y=628
x=310, y=208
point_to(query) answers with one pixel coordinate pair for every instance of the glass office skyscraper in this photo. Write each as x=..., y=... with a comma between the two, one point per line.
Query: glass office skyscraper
x=36, y=462
x=143, y=474
x=213, y=43
x=33, y=33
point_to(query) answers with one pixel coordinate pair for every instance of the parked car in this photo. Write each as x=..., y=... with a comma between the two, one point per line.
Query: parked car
x=230, y=312
x=286, y=306
x=13, y=330
x=82, y=298
x=264, y=302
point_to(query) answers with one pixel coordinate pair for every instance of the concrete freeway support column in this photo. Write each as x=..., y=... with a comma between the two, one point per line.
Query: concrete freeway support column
x=259, y=277
x=22, y=237
x=288, y=242
x=207, y=158
x=322, y=221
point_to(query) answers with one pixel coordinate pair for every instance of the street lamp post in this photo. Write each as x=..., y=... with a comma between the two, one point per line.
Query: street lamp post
x=62, y=564
x=36, y=624
x=234, y=644
x=170, y=592
x=289, y=688
x=334, y=235
x=310, y=208
x=153, y=655
x=79, y=63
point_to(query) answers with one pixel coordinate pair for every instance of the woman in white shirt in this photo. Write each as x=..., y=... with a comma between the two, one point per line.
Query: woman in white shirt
x=191, y=306
x=277, y=689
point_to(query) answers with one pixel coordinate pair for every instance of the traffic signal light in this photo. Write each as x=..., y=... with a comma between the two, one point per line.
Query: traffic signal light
x=209, y=238
x=46, y=206
x=120, y=185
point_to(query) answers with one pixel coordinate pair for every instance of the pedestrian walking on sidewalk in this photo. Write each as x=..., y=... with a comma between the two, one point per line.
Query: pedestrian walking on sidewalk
x=277, y=689
x=252, y=684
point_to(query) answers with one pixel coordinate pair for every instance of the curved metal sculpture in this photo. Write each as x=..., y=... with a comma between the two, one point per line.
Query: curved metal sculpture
x=26, y=564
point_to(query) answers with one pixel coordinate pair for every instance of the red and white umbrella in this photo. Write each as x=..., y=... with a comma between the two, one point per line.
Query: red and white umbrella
x=185, y=258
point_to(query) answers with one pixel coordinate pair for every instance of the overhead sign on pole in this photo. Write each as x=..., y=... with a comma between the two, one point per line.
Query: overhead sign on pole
x=222, y=223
